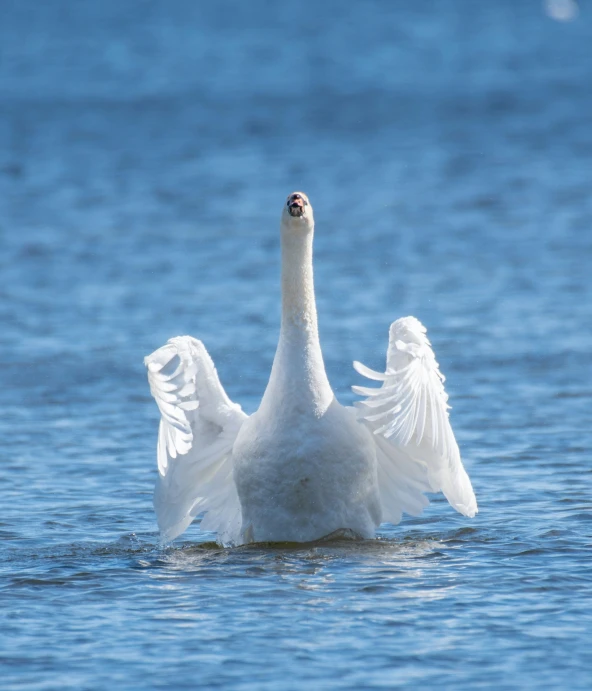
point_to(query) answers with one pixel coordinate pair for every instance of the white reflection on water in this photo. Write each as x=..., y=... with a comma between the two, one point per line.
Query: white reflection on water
x=321, y=567
x=562, y=10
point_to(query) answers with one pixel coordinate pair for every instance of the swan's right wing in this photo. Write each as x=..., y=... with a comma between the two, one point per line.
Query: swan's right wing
x=198, y=427
x=408, y=415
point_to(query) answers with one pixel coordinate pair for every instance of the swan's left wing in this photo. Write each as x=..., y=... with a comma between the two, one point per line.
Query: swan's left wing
x=198, y=427
x=408, y=415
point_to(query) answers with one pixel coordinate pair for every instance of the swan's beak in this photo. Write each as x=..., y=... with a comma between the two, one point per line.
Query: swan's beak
x=296, y=205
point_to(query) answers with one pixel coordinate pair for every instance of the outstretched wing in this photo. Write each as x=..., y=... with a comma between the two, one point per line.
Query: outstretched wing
x=198, y=426
x=408, y=414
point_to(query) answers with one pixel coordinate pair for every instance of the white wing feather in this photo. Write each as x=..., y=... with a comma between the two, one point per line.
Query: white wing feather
x=408, y=414
x=198, y=427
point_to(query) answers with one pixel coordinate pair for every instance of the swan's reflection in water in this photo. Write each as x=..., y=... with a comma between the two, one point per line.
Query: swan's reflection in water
x=334, y=570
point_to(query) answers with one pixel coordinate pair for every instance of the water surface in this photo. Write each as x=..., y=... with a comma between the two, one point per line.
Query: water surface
x=145, y=152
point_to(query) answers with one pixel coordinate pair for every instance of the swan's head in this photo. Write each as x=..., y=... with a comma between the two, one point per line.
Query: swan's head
x=297, y=213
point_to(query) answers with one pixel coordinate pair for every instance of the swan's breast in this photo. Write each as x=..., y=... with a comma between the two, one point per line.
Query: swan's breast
x=315, y=473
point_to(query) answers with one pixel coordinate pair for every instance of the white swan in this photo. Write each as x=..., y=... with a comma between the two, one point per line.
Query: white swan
x=302, y=466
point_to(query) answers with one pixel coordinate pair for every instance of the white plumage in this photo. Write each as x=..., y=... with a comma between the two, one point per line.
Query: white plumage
x=302, y=466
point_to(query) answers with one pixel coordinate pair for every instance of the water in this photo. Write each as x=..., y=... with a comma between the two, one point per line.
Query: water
x=145, y=151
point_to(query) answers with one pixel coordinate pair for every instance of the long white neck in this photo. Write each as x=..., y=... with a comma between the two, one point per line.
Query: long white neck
x=299, y=310
x=298, y=379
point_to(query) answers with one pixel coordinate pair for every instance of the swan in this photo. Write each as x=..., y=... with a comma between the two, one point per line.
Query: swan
x=302, y=467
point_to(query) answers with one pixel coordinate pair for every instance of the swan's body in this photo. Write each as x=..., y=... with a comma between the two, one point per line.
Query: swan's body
x=302, y=466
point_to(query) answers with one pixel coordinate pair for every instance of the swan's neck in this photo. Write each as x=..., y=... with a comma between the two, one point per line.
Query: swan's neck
x=298, y=375
x=299, y=310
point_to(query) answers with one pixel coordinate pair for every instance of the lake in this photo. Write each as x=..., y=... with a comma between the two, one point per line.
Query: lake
x=146, y=149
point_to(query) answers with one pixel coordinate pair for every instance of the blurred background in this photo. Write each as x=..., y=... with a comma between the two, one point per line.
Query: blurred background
x=146, y=149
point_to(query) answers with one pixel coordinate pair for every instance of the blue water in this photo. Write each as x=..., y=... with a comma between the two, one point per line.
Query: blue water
x=146, y=149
